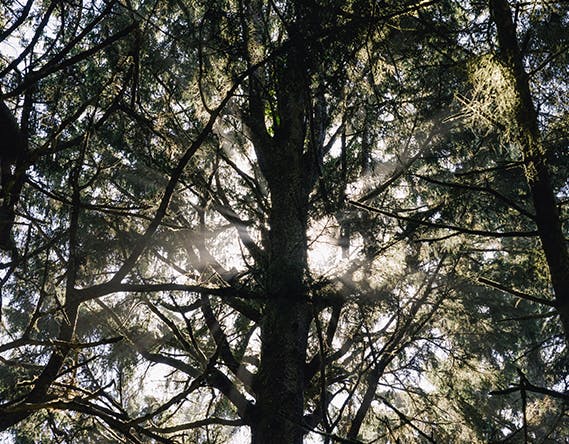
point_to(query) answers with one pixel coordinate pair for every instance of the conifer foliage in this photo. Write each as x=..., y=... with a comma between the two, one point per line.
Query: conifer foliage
x=289, y=221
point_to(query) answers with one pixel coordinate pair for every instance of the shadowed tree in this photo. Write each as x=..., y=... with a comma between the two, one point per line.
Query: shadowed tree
x=269, y=219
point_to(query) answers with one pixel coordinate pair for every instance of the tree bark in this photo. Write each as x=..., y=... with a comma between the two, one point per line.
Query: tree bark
x=286, y=319
x=289, y=167
x=538, y=176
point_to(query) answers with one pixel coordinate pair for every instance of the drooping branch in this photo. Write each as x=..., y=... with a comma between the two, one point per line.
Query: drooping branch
x=35, y=76
x=24, y=14
x=516, y=293
x=458, y=229
x=405, y=419
x=477, y=188
x=199, y=423
x=225, y=352
x=532, y=388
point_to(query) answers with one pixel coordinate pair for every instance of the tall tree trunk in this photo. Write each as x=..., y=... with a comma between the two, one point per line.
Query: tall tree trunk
x=535, y=162
x=286, y=319
x=289, y=163
x=280, y=392
x=284, y=330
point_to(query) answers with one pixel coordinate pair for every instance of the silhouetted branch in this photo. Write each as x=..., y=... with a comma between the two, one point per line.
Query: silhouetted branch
x=516, y=293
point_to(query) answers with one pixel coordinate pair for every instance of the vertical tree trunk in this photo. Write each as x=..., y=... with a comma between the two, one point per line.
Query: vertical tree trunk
x=286, y=320
x=289, y=164
x=535, y=162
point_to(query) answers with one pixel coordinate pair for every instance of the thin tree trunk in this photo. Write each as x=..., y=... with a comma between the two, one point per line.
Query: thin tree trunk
x=535, y=161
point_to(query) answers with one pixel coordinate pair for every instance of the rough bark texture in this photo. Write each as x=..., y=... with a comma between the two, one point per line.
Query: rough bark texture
x=535, y=161
x=289, y=168
x=286, y=319
x=280, y=398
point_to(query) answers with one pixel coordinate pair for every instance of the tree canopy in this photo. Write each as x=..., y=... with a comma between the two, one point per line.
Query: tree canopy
x=285, y=221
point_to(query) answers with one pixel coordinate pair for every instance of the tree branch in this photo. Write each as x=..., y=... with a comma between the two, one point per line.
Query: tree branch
x=516, y=293
x=462, y=230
